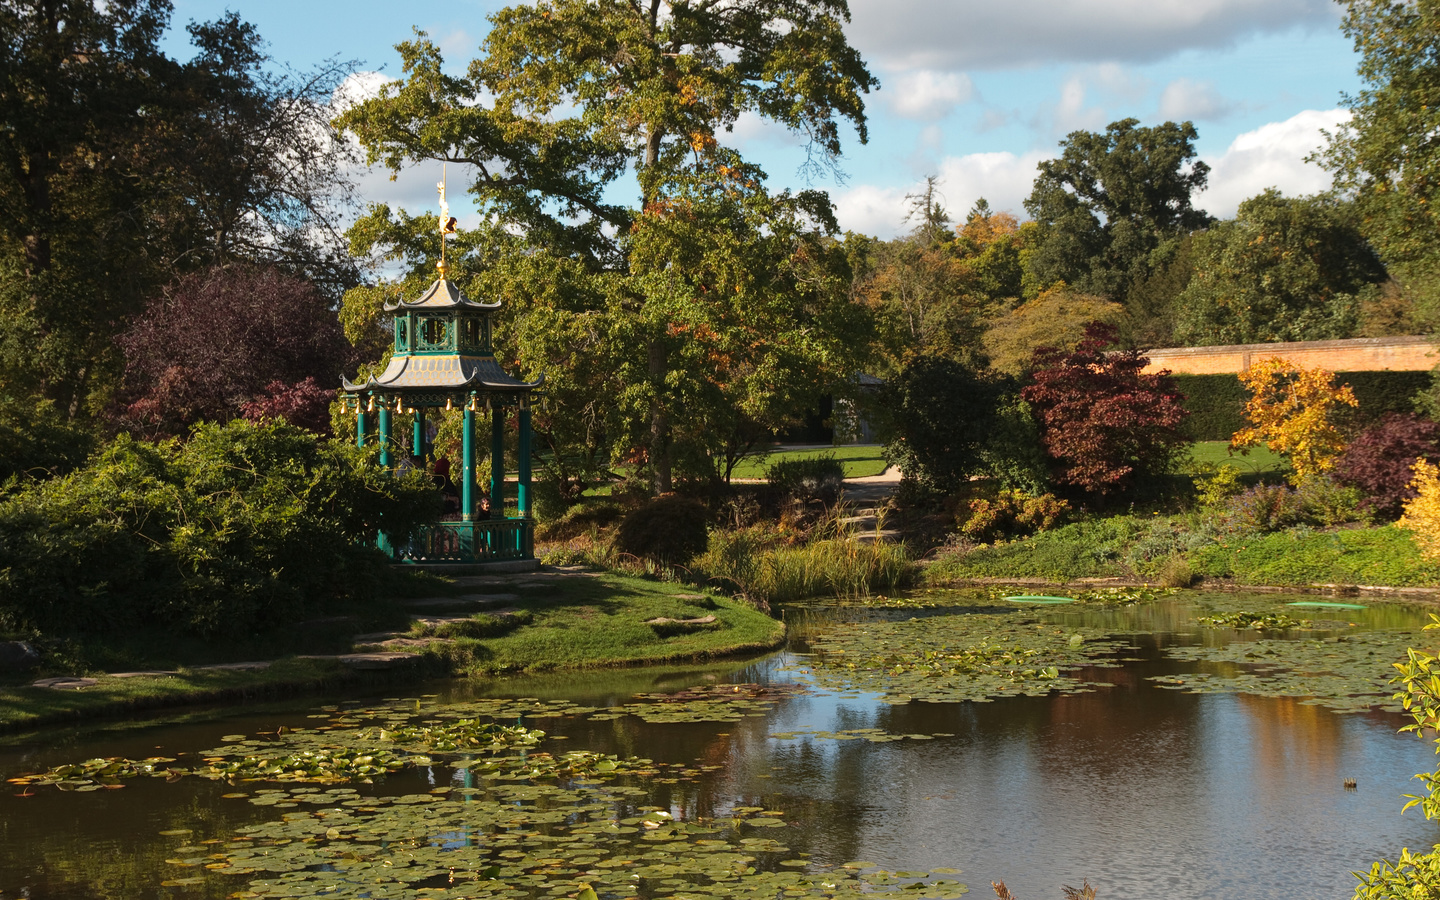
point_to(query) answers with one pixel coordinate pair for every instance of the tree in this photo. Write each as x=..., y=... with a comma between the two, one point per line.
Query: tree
x=931, y=290
x=1111, y=201
x=1103, y=421
x=1291, y=410
x=219, y=342
x=1387, y=156
x=1284, y=269
x=569, y=97
x=1381, y=459
x=1422, y=511
x=121, y=167
x=1057, y=318
x=936, y=419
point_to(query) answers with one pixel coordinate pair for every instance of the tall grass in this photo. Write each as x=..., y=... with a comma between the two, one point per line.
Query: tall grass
x=748, y=561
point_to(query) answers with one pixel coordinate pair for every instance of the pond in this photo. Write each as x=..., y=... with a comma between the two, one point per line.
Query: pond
x=1126, y=744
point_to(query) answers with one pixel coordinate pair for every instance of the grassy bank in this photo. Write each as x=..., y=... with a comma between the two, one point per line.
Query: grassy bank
x=552, y=622
x=1178, y=549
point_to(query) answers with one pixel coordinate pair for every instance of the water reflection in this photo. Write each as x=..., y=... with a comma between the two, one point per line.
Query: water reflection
x=1146, y=792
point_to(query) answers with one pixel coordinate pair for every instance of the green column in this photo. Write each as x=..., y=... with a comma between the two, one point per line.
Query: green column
x=417, y=440
x=467, y=466
x=523, y=491
x=497, y=462
x=360, y=424
x=384, y=435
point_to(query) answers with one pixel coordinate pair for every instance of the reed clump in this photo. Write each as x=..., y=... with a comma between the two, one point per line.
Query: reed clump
x=750, y=561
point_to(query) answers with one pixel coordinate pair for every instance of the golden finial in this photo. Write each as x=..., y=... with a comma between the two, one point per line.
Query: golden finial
x=447, y=222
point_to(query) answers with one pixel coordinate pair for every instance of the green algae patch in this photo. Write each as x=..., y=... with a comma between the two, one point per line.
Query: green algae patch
x=947, y=659
x=1255, y=621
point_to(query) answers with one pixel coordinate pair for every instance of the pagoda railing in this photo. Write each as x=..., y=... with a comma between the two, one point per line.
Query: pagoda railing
x=486, y=540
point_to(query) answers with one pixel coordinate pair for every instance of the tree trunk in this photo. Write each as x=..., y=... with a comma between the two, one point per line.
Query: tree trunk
x=659, y=422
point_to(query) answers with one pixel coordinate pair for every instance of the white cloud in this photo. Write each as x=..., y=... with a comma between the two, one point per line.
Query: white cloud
x=1071, y=113
x=927, y=95
x=1003, y=179
x=1185, y=99
x=946, y=35
x=1272, y=155
x=357, y=88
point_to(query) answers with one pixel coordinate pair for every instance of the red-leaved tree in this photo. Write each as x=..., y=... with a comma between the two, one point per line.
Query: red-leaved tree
x=1380, y=461
x=228, y=342
x=1103, y=422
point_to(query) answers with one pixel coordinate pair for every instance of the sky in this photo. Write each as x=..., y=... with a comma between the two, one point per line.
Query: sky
x=975, y=93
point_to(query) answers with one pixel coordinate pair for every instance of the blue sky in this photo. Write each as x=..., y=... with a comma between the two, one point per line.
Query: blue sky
x=975, y=93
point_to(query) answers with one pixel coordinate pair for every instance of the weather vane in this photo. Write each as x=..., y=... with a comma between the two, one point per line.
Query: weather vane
x=447, y=221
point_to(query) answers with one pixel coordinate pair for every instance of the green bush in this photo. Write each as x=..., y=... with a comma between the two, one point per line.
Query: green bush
x=816, y=478
x=241, y=527
x=669, y=530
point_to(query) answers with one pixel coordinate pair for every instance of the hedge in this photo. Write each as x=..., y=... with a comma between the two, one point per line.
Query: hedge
x=1217, y=402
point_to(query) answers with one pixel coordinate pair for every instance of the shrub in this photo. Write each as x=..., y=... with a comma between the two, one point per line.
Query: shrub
x=1422, y=512
x=1102, y=421
x=806, y=479
x=1261, y=508
x=241, y=527
x=669, y=530
x=1010, y=514
x=937, y=419
x=1292, y=411
x=1213, y=486
x=1380, y=461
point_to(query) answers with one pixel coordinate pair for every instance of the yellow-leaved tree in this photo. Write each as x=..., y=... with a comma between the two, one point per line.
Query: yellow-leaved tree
x=1291, y=410
x=1422, y=512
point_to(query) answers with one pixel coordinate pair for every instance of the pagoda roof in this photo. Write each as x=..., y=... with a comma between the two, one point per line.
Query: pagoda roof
x=444, y=373
x=442, y=294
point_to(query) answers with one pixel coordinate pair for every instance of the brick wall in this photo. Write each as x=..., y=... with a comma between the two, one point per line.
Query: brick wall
x=1397, y=354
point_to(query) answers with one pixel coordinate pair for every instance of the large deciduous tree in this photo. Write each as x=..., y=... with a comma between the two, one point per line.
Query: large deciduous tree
x=1284, y=269
x=1388, y=155
x=121, y=167
x=1112, y=203
x=705, y=268
x=1103, y=421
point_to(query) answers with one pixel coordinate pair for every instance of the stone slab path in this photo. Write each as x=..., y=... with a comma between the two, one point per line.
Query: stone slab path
x=867, y=495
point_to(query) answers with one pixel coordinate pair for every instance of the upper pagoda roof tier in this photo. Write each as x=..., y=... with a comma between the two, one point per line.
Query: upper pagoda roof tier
x=444, y=373
x=442, y=294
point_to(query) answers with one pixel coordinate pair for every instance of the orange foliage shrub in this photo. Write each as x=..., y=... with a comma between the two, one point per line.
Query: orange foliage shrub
x=1290, y=410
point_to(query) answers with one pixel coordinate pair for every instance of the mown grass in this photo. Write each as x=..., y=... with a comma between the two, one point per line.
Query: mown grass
x=569, y=622
x=600, y=620
x=1258, y=461
x=23, y=706
x=859, y=460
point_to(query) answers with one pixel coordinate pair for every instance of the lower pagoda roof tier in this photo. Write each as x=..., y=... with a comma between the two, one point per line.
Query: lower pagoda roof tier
x=444, y=373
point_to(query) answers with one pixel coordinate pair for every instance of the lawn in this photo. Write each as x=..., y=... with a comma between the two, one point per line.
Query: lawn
x=1257, y=461
x=859, y=460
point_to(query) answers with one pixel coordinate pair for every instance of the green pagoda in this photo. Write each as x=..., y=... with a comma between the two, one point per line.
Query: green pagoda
x=443, y=359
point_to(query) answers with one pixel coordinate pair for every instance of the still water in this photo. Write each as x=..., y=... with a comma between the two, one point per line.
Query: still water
x=1145, y=792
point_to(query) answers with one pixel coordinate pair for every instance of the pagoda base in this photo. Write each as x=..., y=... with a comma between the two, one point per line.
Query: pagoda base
x=469, y=543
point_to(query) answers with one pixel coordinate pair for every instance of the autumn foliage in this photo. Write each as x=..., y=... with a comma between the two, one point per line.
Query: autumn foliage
x=1380, y=461
x=1104, y=422
x=227, y=342
x=1291, y=411
x=1422, y=513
